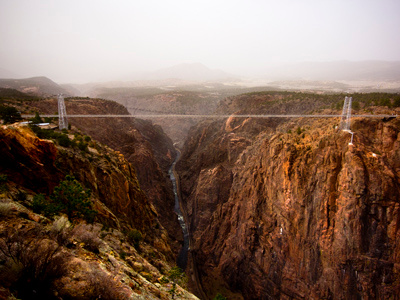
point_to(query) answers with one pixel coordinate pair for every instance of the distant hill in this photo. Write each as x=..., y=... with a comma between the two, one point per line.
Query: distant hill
x=6, y=93
x=189, y=72
x=338, y=70
x=40, y=86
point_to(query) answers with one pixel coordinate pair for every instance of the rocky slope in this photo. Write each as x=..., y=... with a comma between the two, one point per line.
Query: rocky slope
x=287, y=209
x=125, y=254
x=143, y=144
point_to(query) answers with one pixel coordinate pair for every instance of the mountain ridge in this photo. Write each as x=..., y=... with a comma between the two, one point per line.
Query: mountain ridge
x=39, y=86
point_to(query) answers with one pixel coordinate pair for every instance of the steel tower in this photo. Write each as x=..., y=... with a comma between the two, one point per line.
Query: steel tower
x=346, y=114
x=62, y=113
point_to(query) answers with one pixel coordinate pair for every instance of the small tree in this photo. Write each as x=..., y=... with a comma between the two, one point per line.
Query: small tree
x=69, y=198
x=9, y=114
x=36, y=119
x=73, y=200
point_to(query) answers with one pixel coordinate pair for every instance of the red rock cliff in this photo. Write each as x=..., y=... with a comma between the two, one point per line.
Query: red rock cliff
x=279, y=214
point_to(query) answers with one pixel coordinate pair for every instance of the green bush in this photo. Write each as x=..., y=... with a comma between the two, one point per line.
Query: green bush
x=63, y=140
x=73, y=199
x=36, y=119
x=219, y=297
x=69, y=198
x=9, y=114
x=83, y=146
x=134, y=237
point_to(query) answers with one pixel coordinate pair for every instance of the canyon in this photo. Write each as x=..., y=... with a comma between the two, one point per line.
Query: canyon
x=275, y=208
x=287, y=209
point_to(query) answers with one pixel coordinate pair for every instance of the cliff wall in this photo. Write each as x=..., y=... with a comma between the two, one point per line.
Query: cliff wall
x=287, y=209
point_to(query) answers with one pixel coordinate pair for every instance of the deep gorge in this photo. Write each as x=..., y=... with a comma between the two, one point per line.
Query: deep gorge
x=274, y=208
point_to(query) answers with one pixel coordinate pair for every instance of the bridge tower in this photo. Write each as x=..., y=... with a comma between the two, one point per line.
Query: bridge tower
x=62, y=113
x=346, y=114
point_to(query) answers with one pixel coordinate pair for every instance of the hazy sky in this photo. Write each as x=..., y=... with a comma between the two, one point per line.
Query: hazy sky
x=79, y=40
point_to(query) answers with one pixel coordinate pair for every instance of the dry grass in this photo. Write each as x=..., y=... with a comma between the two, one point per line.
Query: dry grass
x=89, y=235
x=5, y=208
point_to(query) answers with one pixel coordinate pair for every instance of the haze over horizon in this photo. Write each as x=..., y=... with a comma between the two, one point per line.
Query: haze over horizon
x=81, y=41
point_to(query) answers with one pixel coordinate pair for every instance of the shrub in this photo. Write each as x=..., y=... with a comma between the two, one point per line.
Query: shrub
x=30, y=262
x=39, y=204
x=88, y=235
x=164, y=280
x=36, y=119
x=9, y=114
x=83, y=146
x=105, y=287
x=73, y=200
x=219, y=297
x=5, y=208
x=63, y=140
x=61, y=230
x=175, y=274
x=69, y=198
x=134, y=237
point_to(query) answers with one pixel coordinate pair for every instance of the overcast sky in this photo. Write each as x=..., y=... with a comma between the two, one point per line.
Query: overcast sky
x=82, y=40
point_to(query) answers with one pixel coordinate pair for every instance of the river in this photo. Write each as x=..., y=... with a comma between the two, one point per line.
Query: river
x=183, y=254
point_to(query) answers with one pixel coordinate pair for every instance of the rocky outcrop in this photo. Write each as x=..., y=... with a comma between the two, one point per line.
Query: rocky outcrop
x=45, y=258
x=38, y=165
x=287, y=209
x=143, y=144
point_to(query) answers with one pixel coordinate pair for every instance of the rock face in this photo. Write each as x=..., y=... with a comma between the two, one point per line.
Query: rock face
x=144, y=145
x=50, y=259
x=39, y=166
x=280, y=213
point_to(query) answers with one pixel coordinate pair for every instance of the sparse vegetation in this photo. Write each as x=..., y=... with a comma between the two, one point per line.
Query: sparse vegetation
x=30, y=262
x=105, y=287
x=177, y=276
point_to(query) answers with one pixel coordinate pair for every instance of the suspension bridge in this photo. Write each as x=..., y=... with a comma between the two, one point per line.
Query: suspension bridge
x=344, y=124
